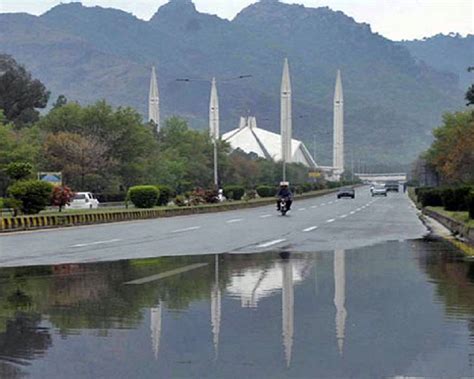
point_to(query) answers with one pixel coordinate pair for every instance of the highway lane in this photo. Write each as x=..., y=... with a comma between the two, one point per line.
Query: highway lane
x=318, y=224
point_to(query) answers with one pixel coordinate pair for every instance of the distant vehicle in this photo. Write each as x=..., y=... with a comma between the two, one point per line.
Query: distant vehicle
x=379, y=190
x=84, y=200
x=346, y=192
x=392, y=185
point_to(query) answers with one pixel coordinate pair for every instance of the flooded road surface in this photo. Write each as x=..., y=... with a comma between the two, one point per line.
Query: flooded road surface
x=394, y=309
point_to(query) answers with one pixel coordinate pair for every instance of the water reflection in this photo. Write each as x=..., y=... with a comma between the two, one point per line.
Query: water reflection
x=340, y=297
x=239, y=313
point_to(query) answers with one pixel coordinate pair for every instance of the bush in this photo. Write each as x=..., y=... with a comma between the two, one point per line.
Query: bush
x=111, y=197
x=34, y=195
x=14, y=204
x=429, y=197
x=144, y=196
x=62, y=196
x=250, y=195
x=180, y=201
x=266, y=191
x=455, y=199
x=234, y=192
x=470, y=204
x=200, y=196
x=166, y=194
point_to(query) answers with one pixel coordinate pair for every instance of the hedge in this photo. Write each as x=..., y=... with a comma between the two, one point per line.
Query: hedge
x=144, y=196
x=34, y=195
x=166, y=194
x=266, y=191
x=429, y=197
x=234, y=192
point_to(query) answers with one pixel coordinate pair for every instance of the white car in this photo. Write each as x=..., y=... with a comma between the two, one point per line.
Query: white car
x=379, y=190
x=84, y=200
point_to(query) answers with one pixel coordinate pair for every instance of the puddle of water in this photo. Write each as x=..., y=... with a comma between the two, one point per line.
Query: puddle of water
x=395, y=309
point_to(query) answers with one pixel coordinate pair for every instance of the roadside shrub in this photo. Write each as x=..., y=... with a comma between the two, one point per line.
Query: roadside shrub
x=111, y=197
x=197, y=197
x=234, y=192
x=470, y=204
x=429, y=197
x=13, y=204
x=144, y=196
x=250, y=195
x=180, y=201
x=211, y=196
x=306, y=187
x=266, y=191
x=34, y=195
x=62, y=196
x=455, y=199
x=166, y=194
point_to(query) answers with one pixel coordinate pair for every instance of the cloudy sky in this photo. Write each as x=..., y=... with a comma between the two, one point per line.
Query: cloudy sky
x=395, y=19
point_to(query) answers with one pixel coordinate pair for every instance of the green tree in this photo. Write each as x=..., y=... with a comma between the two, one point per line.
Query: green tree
x=20, y=94
x=34, y=195
x=60, y=101
x=19, y=170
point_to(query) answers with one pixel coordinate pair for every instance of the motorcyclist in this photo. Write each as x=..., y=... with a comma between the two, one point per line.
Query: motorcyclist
x=284, y=192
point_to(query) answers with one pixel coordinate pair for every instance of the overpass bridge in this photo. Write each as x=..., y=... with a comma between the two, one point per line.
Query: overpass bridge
x=399, y=176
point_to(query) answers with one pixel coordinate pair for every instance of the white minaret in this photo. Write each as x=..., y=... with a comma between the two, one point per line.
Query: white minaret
x=338, y=148
x=340, y=296
x=154, y=100
x=287, y=303
x=285, y=114
x=214, y=112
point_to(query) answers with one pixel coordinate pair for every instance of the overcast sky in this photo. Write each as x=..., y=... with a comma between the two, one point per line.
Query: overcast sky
x=395, y=19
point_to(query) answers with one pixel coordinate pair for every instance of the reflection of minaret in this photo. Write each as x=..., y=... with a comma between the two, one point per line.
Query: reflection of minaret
x=338, y=148
x=340, y=296
x=154, y=101
x=155, y=326
x=216, y=308
x=287, y=310
x=285, y=114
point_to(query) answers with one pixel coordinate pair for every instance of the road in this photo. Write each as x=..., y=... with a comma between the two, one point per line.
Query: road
x=317, y=224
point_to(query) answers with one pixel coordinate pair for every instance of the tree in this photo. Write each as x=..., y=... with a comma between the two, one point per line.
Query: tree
x=19, y=170
x=20, y=94
x=62, y=196
x=34, y=195
x=452, y=152
x=77, y=157
x=60, y=101
x=470, y=96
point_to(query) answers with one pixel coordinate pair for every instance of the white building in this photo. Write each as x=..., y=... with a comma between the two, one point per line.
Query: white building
x=251, y=139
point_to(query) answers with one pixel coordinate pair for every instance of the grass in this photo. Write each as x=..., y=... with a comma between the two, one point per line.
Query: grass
x=459, y=216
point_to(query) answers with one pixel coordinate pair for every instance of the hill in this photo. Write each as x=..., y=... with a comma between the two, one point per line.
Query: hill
x=392, y=100
x=451, y=53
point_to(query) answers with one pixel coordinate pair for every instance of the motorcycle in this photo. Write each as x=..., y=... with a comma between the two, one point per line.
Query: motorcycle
x=283, y=206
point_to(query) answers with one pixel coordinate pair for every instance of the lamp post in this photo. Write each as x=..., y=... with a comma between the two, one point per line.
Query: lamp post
x=214, y=115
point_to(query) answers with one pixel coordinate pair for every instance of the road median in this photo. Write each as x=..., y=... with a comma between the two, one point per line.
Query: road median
x=46, y=221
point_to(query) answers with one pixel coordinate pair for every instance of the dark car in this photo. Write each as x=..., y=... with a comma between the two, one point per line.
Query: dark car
x=391, y=185
x=346, y=192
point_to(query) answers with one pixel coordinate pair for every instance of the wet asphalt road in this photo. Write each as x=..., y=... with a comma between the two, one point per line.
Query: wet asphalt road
x=323, y=223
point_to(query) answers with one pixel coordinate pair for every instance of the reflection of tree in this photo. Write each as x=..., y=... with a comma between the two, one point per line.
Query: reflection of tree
x=23, y=340
x=454, y=279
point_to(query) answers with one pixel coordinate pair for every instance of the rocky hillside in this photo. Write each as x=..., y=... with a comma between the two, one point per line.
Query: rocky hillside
x=392, y=99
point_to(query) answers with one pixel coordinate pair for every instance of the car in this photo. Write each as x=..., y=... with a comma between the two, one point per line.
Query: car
x=392, y=185
x=84, y=200
x=379, y=190
x=346, y=192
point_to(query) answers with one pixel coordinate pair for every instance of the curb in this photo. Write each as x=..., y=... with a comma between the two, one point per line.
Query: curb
x=37, y=222
x=455, y=226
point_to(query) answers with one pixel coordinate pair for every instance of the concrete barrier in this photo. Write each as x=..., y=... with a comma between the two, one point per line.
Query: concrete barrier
x=20, y=223
x=455, y=226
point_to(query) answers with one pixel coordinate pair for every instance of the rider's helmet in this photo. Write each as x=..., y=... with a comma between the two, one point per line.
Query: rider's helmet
x=284, y=184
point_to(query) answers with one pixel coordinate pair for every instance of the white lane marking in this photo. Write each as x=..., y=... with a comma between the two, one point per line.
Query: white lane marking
x=95, y=243
x=330, y=220
x=343, y=216
x=265, y=216
x=314, y=207
x=331, y=202
x=352, y=212
x=186, y=229
x=271, y=243
x=235, y=220
x=167, y=274
x=310, y=229
x=302, y=209
x=323, y=204
x=358, y=209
